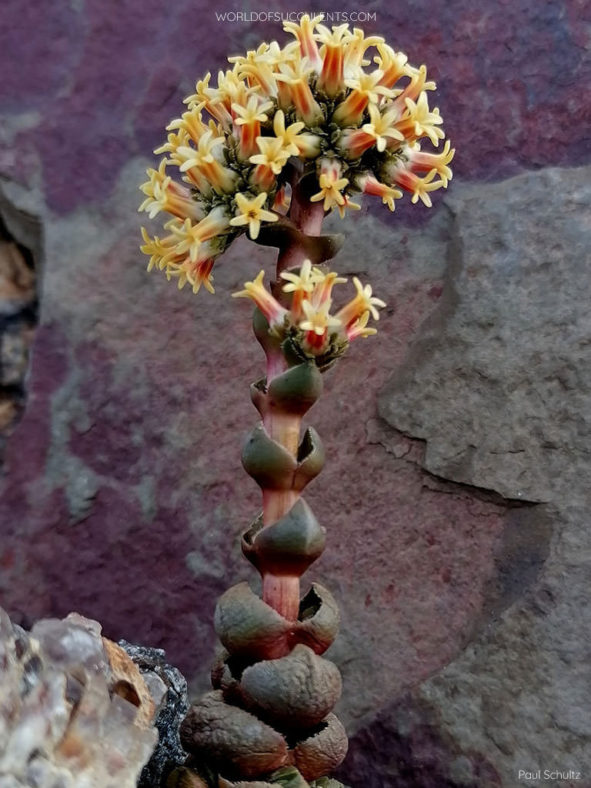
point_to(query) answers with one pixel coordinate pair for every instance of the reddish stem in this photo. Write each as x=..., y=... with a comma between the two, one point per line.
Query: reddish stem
x=308, y=216
x=283, y=592
x=276, y=364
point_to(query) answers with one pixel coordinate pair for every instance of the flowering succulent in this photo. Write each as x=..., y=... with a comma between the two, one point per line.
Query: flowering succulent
x=319, y=113
x=289, y=134
x=307, y=328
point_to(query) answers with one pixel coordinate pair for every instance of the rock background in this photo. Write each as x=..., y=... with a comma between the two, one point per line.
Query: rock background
x=455, y=493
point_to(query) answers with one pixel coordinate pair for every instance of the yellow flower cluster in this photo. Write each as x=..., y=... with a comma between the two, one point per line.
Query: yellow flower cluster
x=316, y=332
x=333, y=105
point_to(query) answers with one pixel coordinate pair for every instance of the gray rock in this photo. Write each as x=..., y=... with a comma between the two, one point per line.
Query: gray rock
x=498, y=385
x=499, y=381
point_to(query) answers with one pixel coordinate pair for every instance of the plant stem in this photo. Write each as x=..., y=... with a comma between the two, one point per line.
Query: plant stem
x=283, y=592
x=276, y=364
x=308, y=216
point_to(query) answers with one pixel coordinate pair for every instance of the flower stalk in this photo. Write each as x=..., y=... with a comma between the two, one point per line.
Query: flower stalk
x=282, y=592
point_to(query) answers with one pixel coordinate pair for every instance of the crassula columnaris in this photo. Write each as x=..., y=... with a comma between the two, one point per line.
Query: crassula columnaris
x=287, y=135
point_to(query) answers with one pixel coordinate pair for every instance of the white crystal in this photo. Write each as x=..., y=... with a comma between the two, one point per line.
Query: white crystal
x=60, y=725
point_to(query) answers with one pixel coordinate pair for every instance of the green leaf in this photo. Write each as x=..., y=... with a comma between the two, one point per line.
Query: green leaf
x=289, y=777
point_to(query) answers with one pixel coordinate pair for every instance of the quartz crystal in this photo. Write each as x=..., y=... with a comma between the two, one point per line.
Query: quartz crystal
x=74, y=709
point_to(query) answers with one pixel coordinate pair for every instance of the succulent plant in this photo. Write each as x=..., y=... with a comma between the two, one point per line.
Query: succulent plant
x=286, y=136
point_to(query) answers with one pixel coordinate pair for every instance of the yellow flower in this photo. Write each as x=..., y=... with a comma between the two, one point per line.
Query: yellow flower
x=155, y=189
x=232, y=89
x=289, y=135
x=363, y=302
x=191, y=236
x=410, y=182
x=418, y=83
x=249, y=119
x=296, y=76
x=331, y=78
x=254, y=111
x=370, y=185
x=347, y=203
x=222, y=178
x=357, y=45
x=174, y=141
x=202, y=93
x=204, y=154
x=317, y=324
x=210, y=99
x=161, y=251
x=304, y=33
x=381, y=127
x=273, y=154
x=163, y=194
x=358, y=328
x=424, y=123
x=324, y=284
x=261, y=73
x=196, y=273
x=276, y=54
x=302, y=282
x=269, y=54
x=370, y=85
x=392, y=64
x=318, y=318
x=331, y=185
x=365, y=89
x=330, y=191
x=301, y=285
x=296, y=143
x=251, y=56
x=420, y=161
x=189, y=124
x=269, y=306
x=252, y=213
x=425, y=185
x=339, y=36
